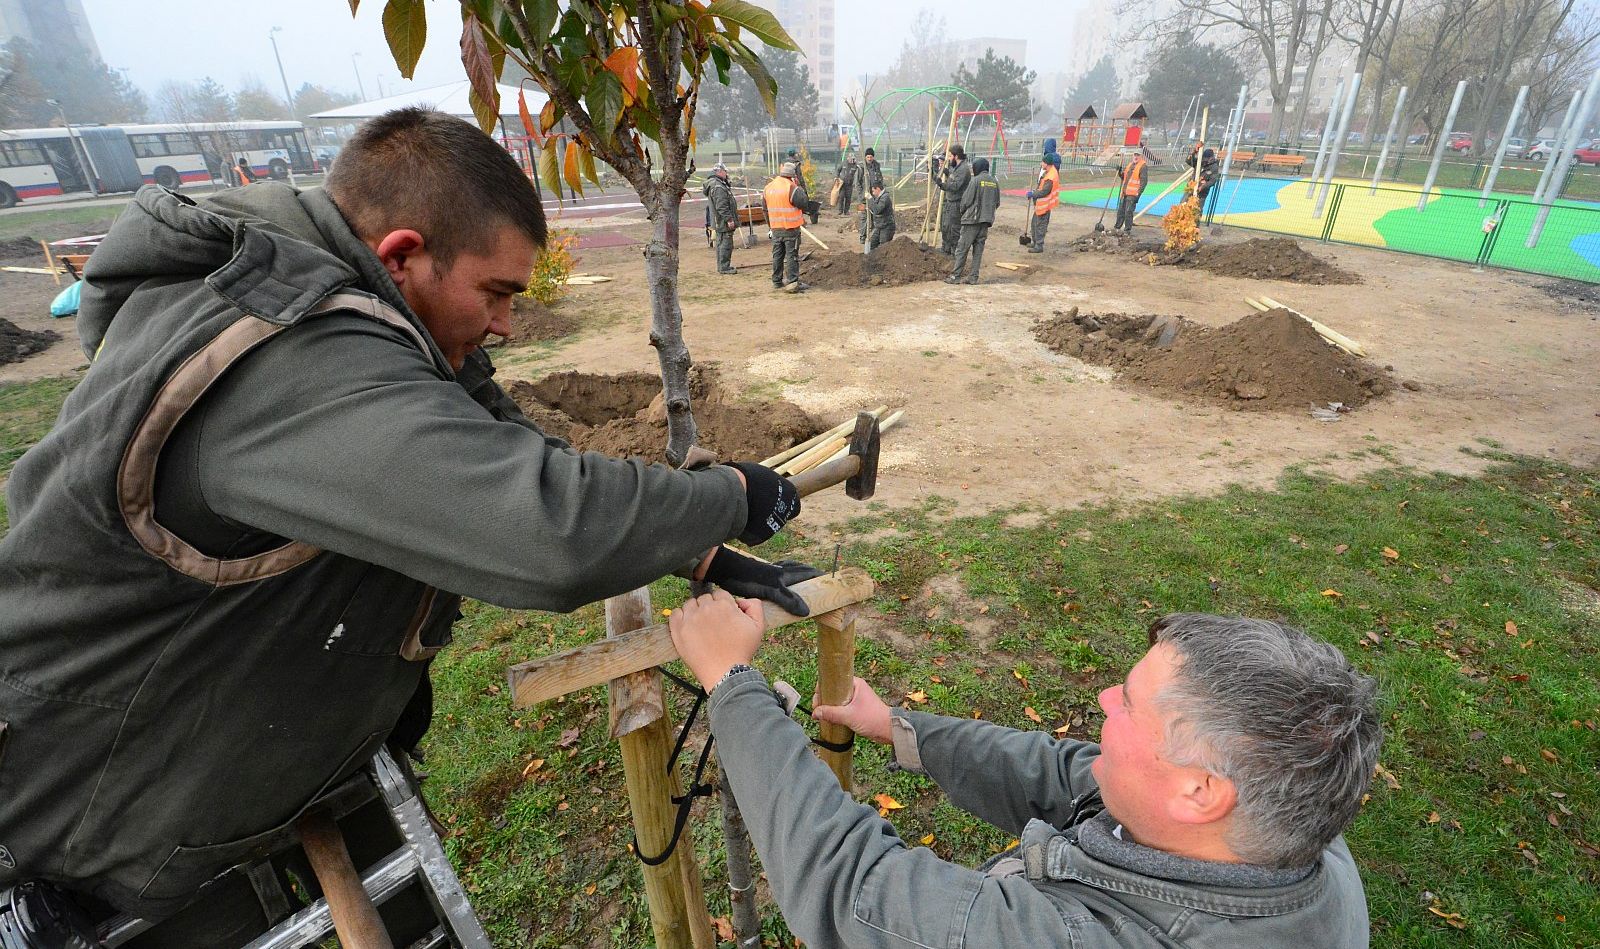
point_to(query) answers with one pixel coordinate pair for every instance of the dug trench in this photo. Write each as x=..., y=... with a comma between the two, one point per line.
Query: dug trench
x=901, y=261
x=1259, y=258
x=623, y=415
x=1266, y=361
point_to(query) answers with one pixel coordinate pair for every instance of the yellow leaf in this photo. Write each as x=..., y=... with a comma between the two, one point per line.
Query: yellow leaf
x=1020, y=678
x=927, y=840
x=533, y=766
x=977, y=713
x=1331, y=593
x=1511, y=628
x=547, y=116
x=1433, y=817
x=589, y=890
x=917, y=696
x=569, y=167
x=624, y=64
x=1387, y=776
x=1454, y=919
x=1032, y=715
x=1062, y=731
x=1389, y=553
x=886, y=804
x=1549, y=755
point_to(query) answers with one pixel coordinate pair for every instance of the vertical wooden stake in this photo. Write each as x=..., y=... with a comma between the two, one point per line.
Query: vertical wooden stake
x=927, y=201
x=639, y=721
x=836, y=654
x=50, y=261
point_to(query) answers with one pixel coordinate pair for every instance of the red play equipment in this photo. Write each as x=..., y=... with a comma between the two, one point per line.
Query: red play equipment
x=1090, y=138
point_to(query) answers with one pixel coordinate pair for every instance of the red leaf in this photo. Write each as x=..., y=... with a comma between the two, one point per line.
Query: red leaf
x=624, y=63
x=479, y=64
x=526, y=116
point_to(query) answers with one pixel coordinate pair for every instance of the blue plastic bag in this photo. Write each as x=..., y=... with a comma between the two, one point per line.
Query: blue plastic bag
x=66, y=302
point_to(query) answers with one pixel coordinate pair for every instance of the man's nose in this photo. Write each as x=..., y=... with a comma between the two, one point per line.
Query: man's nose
x=1105, y=699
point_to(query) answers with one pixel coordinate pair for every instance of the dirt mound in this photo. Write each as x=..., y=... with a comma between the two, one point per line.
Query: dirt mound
x=1271, y=360
x=622, y=415
x=16, y=248
x=533, y=322
x=895, y=264
x=17, y=344
x=1259, y=258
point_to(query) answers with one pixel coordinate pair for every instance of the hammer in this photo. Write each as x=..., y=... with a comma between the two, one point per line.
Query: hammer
x=858, y=469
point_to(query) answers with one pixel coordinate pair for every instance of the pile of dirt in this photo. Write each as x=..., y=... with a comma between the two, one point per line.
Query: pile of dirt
x=1271, y=360
x=19, y=248
x=623, y=415
x=1260, y=258
x=533, y=322
x=17, y=344
x=895, y=264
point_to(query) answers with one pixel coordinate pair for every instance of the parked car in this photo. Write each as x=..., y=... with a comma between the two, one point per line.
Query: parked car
x=1459, y=142
x=1356, y=138
x=1515, y=147
x=1587, y=153
x=1538, y=149
x=1416, y=139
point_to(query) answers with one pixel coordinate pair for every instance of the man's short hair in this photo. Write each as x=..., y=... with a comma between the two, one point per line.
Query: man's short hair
x=957, y=150
x=1283, y=716
x=436, y=174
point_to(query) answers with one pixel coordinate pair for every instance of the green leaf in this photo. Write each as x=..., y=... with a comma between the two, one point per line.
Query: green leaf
x=720, y=58
x=758, y=21
x=645, y=120
x=487, y=113
x=765, y=84
x=549, y=167
x=604, y=102
x=405, y=26
x=480, y=67
x=541, y=16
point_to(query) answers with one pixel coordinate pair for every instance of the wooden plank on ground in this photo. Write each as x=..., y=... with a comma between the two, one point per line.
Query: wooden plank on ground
x=540, y=680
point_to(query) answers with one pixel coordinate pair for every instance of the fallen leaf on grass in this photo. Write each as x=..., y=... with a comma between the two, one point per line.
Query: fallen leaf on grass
x=1020, y=678
x=1331, y=593
x=983, y=607
x=927, y=840
x=724, y=928
x=918, y=696
x=1455, y=920
x=568, y=738
x=1511, y=628
x=1387, y=776
x=886, y=804
x=1555, y=821
x=589, y=890
x=1549, y=755
x=1389, y=553
x=1433, y=817
x=1062, y=731
x=533, y=766
x=1341, y=548
x=1032, y=715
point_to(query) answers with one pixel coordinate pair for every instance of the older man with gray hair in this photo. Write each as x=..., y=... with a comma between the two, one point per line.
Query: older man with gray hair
x=1209, y=814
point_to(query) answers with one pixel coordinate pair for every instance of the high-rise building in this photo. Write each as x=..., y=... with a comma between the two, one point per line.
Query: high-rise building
x=968, y=52
x=55, y=23
x=811, y=24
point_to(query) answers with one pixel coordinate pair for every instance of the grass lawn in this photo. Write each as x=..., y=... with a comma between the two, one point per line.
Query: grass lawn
x=1473, y=600
x=57, y=223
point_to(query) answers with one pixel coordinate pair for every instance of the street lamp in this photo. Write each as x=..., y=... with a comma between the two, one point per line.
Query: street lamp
x=288, y=97
x=357, y=68
x=85, y=167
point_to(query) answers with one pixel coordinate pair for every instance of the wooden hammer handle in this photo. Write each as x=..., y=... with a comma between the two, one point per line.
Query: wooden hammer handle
x=826, y=475
x=355, y=918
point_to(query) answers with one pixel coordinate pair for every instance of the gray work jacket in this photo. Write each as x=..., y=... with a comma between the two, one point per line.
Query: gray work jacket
x=981, y=200
x=843, y=878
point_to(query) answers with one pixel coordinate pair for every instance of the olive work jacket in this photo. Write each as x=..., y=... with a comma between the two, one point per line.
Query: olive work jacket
x=248, y=531
x=845, y=880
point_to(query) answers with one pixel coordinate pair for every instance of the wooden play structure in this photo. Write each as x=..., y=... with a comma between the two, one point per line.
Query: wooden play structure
x=1088, y=140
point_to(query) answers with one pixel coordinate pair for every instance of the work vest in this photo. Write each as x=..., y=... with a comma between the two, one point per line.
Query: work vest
x=1133, y=178
x=170, y=710
x=844, y=140
x=781, y=212
x=244, y=176
x=1048, y=203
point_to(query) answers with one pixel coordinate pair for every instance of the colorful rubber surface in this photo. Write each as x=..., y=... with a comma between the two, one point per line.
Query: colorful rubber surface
x=1449, y=224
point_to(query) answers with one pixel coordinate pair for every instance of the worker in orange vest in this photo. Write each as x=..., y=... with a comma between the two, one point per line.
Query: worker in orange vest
x=242, y=169
x=1134, y=176
x=1045, y=196
x=784, y=197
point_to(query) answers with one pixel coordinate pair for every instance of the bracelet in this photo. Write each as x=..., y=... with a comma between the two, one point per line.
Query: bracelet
x=732, y=671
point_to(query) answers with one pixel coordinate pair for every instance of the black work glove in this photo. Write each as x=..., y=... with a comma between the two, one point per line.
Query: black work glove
x=749, y=577
x=771, y=499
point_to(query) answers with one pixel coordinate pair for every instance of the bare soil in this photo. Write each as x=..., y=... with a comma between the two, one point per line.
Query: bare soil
x=533, y=322
x=33, y=344
x=895, y=264
x=17, y=344
x=622, y=415
x=1259, y=258
x=1269, y=361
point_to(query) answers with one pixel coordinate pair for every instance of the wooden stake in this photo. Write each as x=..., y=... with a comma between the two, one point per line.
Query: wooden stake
x=816, y=440
x=948, y=141
x=50, y=261
x=927, y=202
x=638, y=708
x=1181, y=179
x=540, y=680
x=836, y=653
x=814, y=237
x=355, y=919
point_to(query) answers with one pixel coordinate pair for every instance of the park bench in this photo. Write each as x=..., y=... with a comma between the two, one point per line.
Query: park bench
x=1241, y=158
x=1285, y=162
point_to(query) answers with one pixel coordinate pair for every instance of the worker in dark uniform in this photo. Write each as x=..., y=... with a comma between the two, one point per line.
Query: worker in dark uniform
x=869, y=176
x=978, y=204
x=881, y=210
x=1206, y=176
x=724, y=216
x=784, y=198
x=952, y=180
x=847, y=178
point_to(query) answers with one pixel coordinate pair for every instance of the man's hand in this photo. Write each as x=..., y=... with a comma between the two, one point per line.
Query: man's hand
x=772, y=501
x=714, y=633
x=747, y=576
x=865, y=714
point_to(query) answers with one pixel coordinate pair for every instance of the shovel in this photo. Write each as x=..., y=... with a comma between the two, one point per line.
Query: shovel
x=1023, y=238
x=749, y=224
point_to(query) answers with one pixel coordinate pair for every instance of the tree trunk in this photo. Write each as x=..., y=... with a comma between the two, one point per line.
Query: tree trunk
x=741, y=877
x=666, y=320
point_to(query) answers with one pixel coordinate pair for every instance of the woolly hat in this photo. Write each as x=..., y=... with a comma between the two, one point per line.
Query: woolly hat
x=872, y=153
x=980, y=165
x=788, y=170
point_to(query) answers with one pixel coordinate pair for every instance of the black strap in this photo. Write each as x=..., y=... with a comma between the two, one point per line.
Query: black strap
x=697, y=788
x=836, y=746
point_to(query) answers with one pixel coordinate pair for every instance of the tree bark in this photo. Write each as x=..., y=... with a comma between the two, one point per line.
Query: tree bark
x=666, y=323
x=741, y=878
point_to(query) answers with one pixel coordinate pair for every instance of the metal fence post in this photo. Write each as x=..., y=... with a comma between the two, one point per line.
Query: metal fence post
x=1333, y=213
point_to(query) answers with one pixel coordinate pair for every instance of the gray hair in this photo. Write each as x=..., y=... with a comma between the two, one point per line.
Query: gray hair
x=1283, y=716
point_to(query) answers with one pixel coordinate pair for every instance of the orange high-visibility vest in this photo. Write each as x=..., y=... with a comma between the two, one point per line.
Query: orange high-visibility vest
x=781, y=212
x=1133, y=177
x=844, y=140
x=1048, y=203
x=244, y=178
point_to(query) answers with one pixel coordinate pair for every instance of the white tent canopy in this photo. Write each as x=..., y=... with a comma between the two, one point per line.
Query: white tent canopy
x=450, y=98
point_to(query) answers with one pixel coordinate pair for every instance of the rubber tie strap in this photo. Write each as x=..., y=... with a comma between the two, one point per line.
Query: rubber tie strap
x=697, y=788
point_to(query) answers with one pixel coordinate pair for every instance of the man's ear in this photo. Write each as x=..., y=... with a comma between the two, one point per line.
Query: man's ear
x=399, y=252
x=1203, y=798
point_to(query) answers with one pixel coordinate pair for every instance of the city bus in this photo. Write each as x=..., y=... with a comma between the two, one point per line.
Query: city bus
x=38, y=163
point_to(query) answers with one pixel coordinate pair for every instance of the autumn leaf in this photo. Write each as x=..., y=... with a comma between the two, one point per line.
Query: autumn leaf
x=1389, y=553
x=1062, y=731
x=1387, y=776
x=624, y=64
x=1331, y=593
x=568, y=738
x=1341, y=548
x=1455, y=920
x=724, y=928
x=918, y=696
x=1032, y=715
x=1433, y=817
x=927, y=840
x=1511, y=628
x=1549, y=755
x=533, y=766
x=569, y=168
x=886, y=804
x=1015, y=674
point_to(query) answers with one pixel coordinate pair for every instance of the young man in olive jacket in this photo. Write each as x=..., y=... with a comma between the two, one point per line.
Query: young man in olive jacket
x=1208, y=816
x=233, y=557
x=979, y=202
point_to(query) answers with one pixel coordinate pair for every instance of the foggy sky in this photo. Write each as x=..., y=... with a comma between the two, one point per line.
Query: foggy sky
x=190, y=39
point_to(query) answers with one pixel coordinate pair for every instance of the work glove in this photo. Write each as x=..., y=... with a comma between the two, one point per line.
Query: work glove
x=771, y=500
x=749, y=577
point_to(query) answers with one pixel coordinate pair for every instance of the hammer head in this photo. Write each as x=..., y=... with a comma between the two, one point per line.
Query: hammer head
x=864, y=445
